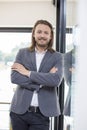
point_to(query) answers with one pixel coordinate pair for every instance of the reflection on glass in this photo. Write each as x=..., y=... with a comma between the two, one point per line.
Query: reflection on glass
x=70, y=63
x=69, y=41
x=9, y=45
x=69, y=76
x=69, y=68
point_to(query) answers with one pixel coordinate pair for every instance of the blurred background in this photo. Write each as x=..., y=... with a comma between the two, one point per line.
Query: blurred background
x=68, y=18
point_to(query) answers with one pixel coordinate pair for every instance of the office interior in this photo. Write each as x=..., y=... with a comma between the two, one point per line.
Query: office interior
x=68, y=18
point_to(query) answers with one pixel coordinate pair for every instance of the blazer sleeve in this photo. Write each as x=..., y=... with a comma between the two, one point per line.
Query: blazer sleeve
x=20, y=79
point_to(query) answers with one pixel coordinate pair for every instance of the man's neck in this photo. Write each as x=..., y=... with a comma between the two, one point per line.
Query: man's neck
x=41, y=49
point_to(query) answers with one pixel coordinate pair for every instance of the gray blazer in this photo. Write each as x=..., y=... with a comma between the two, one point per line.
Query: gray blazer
x=47, y=95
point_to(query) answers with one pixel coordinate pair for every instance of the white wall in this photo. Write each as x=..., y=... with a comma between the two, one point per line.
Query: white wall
x=26, y=13
x=80, y=106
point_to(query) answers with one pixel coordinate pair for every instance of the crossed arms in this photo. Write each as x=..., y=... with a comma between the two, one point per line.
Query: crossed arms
x=22, y=70
x=32, y=79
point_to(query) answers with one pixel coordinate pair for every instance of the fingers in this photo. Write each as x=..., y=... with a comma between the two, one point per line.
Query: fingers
x=16, y=65
x=54, y=70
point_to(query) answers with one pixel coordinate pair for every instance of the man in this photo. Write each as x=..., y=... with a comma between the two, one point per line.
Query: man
x=38, y=72
x=69, y=69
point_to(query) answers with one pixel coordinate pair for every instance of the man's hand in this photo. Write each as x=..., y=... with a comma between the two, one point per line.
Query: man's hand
x=20, y=68
x=72, y=69
x=54, y=70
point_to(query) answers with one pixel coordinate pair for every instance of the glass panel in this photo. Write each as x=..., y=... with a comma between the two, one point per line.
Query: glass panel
x=70, y=61
x=9, y=45
x=4, y=117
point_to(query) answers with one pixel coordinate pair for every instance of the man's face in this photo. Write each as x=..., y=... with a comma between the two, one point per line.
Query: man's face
x=42, y=35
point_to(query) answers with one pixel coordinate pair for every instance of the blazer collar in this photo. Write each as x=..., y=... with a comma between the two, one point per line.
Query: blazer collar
x=33, y=60
x=46, y=57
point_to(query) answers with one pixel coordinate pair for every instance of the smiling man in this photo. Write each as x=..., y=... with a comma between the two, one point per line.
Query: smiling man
x=37, y=71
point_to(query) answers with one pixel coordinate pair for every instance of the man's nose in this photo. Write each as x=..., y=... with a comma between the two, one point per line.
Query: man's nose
x=42, y=35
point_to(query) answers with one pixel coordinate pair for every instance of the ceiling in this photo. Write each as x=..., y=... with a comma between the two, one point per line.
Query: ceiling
x=30, y=0
x=21, y=0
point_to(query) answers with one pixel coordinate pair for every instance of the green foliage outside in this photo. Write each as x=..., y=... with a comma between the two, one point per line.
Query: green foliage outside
x=9, y=57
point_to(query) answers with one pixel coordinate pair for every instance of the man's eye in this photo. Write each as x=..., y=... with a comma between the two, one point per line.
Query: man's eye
x=46, y=33
x=38, y=31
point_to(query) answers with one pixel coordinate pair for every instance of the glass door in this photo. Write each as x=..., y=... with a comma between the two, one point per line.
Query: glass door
x=70, y=62
x=10, y=42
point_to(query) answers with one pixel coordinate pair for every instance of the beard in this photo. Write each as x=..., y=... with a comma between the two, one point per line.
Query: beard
x=42, y=45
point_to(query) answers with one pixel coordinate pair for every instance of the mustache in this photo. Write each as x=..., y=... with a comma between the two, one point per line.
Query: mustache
x=42, y=38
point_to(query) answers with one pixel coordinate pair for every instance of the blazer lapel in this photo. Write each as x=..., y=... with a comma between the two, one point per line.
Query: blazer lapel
x=46, y=57
x=33, y=60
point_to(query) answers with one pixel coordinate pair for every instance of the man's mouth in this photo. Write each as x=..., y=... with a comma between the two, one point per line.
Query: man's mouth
x=43, y=39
